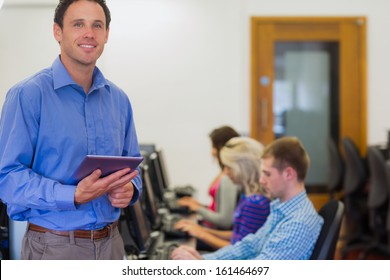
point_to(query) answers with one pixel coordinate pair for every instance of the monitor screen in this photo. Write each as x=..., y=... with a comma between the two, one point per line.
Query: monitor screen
x=156, y=176
x=163, y=168
x=138, y=226
x=149, y=199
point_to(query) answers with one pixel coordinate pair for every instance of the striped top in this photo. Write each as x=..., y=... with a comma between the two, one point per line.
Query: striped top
x=250, y=214
x=290, y=233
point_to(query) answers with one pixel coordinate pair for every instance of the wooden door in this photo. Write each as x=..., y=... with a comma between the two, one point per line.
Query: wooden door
x=348, y=32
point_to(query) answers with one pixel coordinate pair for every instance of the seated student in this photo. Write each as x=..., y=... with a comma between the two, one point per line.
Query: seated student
x=224, y=193
x=293, y=226
x=241, y=159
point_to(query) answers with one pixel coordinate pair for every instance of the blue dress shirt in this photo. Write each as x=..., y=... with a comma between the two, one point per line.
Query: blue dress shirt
x=48, y=124
x=290, y=233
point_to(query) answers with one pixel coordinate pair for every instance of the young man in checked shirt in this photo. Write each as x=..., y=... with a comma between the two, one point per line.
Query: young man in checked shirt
x=293, y=226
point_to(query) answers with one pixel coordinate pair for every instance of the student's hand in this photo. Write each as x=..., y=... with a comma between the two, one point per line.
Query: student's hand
x=183, y=222
x=93, y=186
x=191, y=228
x=190, y=202
x=184, y=252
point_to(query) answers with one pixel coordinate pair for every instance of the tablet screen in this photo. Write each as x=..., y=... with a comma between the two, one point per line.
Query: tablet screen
x=107, y=164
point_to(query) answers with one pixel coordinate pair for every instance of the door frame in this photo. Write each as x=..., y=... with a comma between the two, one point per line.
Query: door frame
x=349, y=32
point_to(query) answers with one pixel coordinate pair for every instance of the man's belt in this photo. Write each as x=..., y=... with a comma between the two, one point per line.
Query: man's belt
x=88, y=234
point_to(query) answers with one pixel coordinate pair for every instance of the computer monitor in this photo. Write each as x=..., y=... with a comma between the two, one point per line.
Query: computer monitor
x=163, y=168
x=156, y=177
x=138, y=226
x=180, y=191
x=149, y=199
x=131, y=247
x=147, y=148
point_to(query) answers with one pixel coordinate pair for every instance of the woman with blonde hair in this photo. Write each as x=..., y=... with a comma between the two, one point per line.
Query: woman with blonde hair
x=223, y=192
x=241, y=160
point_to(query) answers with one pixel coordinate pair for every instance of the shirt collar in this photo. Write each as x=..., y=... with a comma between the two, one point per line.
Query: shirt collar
x=61, y=77
x=287, y=207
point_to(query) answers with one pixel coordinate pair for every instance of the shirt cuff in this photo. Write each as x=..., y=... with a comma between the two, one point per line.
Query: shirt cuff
x=136, y=193
x=64, y=197
x=208, y=257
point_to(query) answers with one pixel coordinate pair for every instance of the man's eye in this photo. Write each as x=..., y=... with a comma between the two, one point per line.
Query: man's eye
x=78, y=24
x=98, y=25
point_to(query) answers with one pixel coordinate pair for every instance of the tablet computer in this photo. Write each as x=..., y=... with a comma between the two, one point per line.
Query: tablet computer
x=107, y=164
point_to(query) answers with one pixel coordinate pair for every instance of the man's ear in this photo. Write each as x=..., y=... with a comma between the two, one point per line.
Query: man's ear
x=107, y=33
x=290, y=173
x=57, y=32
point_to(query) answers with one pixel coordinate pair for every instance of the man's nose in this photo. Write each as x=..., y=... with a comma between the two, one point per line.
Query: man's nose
x=89, y=32
x=261, y=180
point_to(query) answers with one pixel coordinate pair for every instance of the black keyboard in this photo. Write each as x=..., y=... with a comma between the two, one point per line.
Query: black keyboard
x=181, y=191
x=164, y=251
x=170, y=201
x=174, y=208
x=168, y=227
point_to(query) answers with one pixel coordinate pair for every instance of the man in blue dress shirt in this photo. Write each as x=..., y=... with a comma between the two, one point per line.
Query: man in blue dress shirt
x=293, y=226
x=49, y=123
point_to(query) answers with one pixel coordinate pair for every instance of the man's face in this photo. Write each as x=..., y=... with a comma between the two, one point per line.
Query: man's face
x=83, y=35
x=271, y=179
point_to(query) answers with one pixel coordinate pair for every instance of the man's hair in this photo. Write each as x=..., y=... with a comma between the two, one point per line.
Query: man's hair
x=288, y=152
x=242, y=155
x=63, y=5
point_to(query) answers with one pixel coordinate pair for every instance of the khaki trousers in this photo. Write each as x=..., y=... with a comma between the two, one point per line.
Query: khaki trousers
x=48, y=246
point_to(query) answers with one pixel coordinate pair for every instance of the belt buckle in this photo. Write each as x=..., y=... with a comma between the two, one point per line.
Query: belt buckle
x=97, y=231
x=108, y=229
x=101, y=231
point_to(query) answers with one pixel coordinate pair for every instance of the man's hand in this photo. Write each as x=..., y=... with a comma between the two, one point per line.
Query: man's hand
x=120, y=197
x=93, y=186
x=184, y=252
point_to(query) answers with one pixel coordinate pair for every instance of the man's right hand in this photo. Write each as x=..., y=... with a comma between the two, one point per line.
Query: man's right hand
x=93, y=186
x=185, y=252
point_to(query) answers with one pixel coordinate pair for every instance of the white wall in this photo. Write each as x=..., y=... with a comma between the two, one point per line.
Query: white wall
x=185, y=65
x=180, y=62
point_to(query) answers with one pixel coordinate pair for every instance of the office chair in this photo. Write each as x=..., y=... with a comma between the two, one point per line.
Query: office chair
x=332, y=213
x=378, y=203
x=4, y=232
x=355, y=196
x=336, y=169
x=388, y=209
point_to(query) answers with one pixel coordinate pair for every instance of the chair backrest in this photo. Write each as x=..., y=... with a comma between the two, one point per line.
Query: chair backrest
x=336, y=168
x=378, y=192
x=332, y=213
x=356, y=174
x=388, y=191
